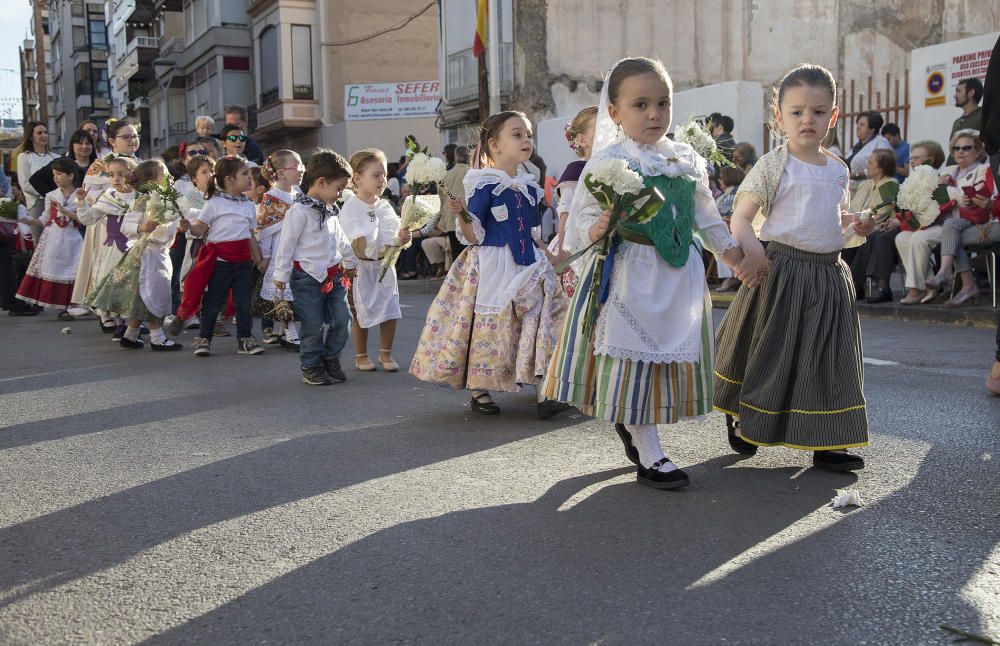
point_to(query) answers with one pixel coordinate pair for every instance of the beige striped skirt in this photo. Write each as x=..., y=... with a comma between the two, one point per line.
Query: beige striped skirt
x=622, y=390
x=789, y=362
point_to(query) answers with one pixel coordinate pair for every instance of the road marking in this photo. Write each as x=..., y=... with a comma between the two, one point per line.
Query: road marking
x=879, y=362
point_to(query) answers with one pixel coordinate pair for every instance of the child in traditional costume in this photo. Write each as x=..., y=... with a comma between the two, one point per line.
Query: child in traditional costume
x=283, y=171
x=224, y=262
x=52, y=270
x=789, y=369
x=649, y=358
x=109, y=198
x=313, y=256
x=580, y=134
x=494, y=322
x=138, y=287
x=200, y=170
x=373, y=227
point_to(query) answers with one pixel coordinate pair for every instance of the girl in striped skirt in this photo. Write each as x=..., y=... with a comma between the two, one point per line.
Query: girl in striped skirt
x=649, y=359
x=789, y=369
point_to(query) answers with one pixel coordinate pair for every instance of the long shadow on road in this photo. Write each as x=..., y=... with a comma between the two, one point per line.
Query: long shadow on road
x=62, y=546
x=618, y=567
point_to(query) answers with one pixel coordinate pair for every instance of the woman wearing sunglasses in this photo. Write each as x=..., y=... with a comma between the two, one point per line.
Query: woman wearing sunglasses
x=234, y=141
x=915, y=247
x=971, y=189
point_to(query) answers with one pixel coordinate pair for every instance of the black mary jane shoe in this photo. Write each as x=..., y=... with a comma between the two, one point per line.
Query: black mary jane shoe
x=736, y=442
x=551, y=407
x=291, y=346
x=653, y=477
x=631, y=452
x=130, y=344
x=169, y=346
x=881, y=296
x=837, y=461
x=66, y=316
x=109, y=327
x=485, y=407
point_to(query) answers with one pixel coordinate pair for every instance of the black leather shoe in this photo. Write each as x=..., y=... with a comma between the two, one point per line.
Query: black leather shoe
x=551, y=407
x=631, y=452
x=485, y=407
x=737, y=443
x=653, y=477
x=130, y=344
x=881, y=296
x=837, y=461
x=169, y=346
x=291, y=346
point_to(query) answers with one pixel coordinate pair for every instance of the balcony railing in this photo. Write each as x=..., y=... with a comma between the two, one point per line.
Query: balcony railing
x=462, y=74
x=302, y=92
x=142, y=42
x=172, y=45
x=269, y=97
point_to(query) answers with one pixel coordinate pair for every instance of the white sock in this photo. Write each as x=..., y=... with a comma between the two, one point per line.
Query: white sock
x=291, y=332
x=132, y=333
x=157, y=337
x=647, y=441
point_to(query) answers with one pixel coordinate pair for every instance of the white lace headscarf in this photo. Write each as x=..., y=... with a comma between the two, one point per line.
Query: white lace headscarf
x=665, y=157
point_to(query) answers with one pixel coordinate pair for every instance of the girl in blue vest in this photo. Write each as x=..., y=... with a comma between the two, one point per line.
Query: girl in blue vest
x=495, y=320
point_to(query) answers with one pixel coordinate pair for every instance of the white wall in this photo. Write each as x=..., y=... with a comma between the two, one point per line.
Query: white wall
x=742, y=100
x=931, y=115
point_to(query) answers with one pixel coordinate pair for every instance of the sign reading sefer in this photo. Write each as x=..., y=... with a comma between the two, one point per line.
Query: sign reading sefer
x=391, y=100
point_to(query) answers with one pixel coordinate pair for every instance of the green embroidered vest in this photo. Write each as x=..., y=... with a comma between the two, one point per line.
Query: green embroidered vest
x=670, y=235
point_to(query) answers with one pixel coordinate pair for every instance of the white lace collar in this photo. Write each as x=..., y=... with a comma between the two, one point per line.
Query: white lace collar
x=285, y=197
x=478, y=178
x=665, y=157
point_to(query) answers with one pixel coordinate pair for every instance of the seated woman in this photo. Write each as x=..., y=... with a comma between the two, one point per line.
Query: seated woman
x=976, y=224
x=877, y=257
x=915, y=247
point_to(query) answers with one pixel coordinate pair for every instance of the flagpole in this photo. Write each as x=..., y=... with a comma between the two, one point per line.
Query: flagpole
x=493, y=54
x=484, y=93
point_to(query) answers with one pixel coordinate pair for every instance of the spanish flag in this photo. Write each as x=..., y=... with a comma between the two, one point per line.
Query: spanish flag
x=479, y=42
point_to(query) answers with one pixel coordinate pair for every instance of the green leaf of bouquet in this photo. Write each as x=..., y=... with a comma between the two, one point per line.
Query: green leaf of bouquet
x=940, y=195
x=888, y=191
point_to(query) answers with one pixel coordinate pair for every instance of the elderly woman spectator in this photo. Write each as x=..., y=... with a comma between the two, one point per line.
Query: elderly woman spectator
x=869, y=140
x=877, y=257
x=915, y=247
x=973, y=219
x=744, y=156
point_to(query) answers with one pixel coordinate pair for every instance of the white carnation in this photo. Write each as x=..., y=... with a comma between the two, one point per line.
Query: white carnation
x=917, y=194
x=423, y=170
x=615, y=173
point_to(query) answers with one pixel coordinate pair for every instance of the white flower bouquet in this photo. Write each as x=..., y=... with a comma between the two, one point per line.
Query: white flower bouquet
x=161, y=207
x=423, y=171
x=692, y=134
x=417, y=211
x=920, y=198
x=620, y=190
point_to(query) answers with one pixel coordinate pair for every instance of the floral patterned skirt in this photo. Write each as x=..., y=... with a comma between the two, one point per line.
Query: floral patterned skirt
x=459, y=348
x=118, y=292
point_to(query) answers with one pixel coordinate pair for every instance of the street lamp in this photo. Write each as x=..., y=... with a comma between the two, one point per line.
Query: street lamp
x=163, y=68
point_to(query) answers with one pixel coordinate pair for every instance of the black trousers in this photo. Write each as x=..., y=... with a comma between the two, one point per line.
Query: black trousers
x=8, y=277
x=227, y=276
x=876, y=258
x=177, y=260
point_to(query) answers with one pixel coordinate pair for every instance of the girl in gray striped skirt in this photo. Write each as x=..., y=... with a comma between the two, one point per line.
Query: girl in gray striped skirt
x=789, y=369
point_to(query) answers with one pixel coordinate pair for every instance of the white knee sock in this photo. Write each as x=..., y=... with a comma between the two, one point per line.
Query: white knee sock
x=157, y=337
x=291, y=332
x=132, y=333
x=647, y=441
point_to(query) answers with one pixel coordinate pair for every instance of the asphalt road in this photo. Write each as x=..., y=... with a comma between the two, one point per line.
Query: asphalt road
x=174, y=500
